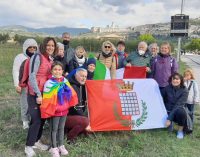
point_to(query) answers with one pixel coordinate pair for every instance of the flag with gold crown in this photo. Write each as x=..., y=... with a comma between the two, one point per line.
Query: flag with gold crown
x=128, y=104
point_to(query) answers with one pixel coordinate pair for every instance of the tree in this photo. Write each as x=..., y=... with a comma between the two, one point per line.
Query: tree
x=147, y=38
x=193, y=45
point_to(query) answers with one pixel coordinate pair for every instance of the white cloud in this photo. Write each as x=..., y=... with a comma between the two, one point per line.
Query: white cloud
x=80, y=13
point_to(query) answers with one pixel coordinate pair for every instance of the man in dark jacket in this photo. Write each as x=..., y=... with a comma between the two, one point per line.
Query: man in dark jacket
x=77, y=122
x=69, y=52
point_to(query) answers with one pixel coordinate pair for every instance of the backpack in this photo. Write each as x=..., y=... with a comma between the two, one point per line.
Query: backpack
x=24, y=71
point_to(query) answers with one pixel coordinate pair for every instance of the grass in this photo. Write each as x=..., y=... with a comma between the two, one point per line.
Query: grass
x=149, y=143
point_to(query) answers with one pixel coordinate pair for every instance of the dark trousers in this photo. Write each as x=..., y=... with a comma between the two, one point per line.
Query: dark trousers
x=191, y=111
x=75, y=125
x=179, y=116
x=36, y=124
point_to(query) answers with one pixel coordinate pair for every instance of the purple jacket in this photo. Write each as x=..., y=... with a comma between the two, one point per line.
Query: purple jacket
x=163, y=66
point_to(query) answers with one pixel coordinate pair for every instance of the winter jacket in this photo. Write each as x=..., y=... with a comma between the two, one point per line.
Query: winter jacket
x=73, y=64
x=193, y=96
x=110, y=63
x=120, y=57
x=19, y=59
x=138, y=60
x=80, y=108
x=174, y=97
x=162, y=67
x=69, y=54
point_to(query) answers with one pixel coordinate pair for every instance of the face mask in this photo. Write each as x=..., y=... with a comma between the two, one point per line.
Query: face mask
x=141, y=52
x=65, y=42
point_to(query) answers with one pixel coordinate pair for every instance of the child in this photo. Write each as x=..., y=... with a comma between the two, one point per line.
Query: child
x=78, y=60
x=58, y=97
x=193, y=97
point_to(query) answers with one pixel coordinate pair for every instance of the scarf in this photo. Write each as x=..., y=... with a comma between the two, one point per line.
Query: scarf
x=80, y=61
x=107, y=55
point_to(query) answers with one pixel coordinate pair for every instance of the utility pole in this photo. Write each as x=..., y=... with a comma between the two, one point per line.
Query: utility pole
x=179, y=38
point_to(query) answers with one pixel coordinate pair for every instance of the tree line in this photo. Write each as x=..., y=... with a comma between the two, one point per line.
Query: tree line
x=94, y=45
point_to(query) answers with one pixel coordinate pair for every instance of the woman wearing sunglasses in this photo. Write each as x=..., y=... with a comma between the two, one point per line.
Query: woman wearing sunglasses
x=175, y=97
x=107, y=57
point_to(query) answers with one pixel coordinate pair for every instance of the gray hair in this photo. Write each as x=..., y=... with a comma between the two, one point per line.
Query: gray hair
x=79, y=70
x=143, y=43
x=154, y=45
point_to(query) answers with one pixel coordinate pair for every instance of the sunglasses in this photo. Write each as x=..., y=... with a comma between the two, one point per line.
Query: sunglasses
x=107, y=46
x=32, y=47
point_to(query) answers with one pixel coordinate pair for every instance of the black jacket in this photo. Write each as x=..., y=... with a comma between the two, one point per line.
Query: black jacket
x=73, y=64
x=174, y=97
x=80, y=108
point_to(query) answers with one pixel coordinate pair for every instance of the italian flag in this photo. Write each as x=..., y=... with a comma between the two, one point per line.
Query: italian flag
x=113, y=107
x=103, y=73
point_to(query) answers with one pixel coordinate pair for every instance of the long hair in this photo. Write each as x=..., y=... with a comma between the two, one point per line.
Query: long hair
x=173, y=76
x=44, y=45
x=189, y=71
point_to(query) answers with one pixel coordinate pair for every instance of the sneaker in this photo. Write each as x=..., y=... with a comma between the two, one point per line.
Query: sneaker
x=40, y=145
x=63, y=150
x=29, y=151
x=180, y=135
x=25, y=125
x=54, y=152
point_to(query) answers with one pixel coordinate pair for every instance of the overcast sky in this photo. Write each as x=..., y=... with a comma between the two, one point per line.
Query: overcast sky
x=88, y=13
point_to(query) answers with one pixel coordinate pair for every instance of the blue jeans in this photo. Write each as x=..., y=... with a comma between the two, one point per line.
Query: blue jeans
x=191, y=111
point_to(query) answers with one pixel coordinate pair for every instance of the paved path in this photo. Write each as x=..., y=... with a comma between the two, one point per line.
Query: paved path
x=193, y=61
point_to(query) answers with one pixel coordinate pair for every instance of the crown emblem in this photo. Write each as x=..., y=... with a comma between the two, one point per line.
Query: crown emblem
x=126, y=86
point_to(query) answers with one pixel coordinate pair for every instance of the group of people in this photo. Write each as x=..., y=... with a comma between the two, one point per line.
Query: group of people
x=55, y=88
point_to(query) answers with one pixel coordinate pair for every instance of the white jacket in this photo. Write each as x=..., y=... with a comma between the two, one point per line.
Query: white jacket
x=20, y=58
x=193, y=96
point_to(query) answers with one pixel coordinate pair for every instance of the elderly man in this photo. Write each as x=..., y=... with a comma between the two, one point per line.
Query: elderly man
x=141, y=57
x=77, y=120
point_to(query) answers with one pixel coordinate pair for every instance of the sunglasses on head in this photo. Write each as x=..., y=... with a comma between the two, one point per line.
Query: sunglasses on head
x=32, y=47
x=107, y=46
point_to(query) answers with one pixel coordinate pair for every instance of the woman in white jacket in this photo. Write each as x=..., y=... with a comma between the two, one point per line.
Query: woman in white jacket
x=30, y=46
x=192, y=86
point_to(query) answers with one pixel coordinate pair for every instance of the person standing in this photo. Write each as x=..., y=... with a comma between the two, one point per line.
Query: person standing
x=141, y=57
x=58, y=97
x=192, y=86
x=163, y=66
x=120, y=54
x=107, y=57
x=68, y=51
x=40, y=70
x=30, y=46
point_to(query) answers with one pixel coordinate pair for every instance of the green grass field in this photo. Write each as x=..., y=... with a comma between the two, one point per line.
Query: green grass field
x=149, y=143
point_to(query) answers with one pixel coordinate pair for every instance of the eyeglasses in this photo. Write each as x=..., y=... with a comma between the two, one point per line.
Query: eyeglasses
x=32, y=47
x=107, y=46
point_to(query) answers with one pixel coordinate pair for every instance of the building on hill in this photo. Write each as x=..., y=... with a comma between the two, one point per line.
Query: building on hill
x=109, y=29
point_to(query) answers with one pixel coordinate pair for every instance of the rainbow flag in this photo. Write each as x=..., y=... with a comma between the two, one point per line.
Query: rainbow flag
x=57, y=93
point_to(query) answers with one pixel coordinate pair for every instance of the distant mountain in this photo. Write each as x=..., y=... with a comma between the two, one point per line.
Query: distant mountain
x=55, y=31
